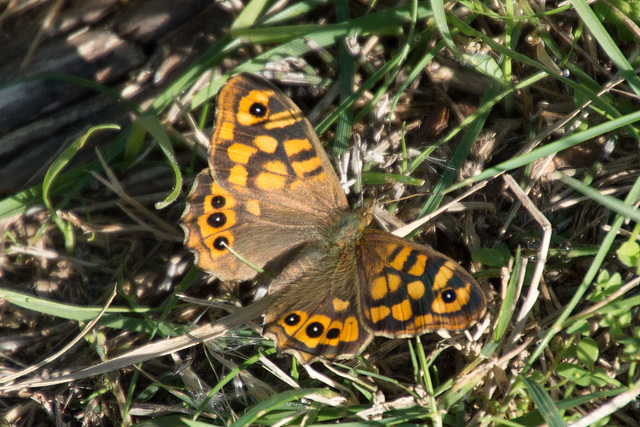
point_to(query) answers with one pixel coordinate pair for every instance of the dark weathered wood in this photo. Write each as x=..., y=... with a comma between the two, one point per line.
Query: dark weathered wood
x=97, y=55
x=149, y=21
x=133, y=48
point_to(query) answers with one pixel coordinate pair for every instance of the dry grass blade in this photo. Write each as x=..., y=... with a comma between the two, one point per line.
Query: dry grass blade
x=6, y=379
x=115, y=186
x=150, y=351
x=533, y=292
x=405, y=230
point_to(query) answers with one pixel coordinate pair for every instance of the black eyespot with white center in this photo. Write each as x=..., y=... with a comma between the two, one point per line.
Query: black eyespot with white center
x=258, y=110
x=218, y=202
x=217, y=220
x=221, y=243
x=292, y=319
x=315, y=329
x=333, y=333
x=449, y=296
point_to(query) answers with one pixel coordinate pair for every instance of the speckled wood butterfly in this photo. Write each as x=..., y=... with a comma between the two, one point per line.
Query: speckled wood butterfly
x=271, y=196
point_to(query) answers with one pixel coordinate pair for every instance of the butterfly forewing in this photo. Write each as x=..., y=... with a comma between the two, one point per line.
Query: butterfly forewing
x=407, y=289
x=215, y=219
x=266, y=148
x=270, y=187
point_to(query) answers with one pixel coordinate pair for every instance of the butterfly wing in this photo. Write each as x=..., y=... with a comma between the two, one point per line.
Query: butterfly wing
x=270, y=186
x=266, y=149
x=216, y=219
x=407, y=289
x=316, y=314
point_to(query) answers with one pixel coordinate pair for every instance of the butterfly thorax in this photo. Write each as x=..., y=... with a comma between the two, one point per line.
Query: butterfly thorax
x=347, y=228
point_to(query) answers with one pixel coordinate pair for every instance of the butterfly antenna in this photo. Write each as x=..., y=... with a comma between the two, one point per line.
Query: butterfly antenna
x=356, y=166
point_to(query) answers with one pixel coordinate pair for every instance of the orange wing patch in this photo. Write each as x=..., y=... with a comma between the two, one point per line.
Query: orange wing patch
x=350, y=330
x=340, y=305
x=240, y=153
x=238, y=176
x=416, y=289
x=270, y=181
x=379, y=313
x=282, y=120
x=266, y=143
x=295, y=146
x=226, y=131
x=306, y=167
x=402, y=311
x=379, y=288
x=398, y=261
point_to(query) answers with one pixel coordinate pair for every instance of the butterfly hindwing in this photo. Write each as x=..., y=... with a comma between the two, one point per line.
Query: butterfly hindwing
x=316, y=314
x=407, y=289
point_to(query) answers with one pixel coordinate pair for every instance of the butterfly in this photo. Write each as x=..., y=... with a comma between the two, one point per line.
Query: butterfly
x=272, y=198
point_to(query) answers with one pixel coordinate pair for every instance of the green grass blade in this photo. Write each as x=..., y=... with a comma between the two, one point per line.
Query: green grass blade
x=324, y=36
x=507, y=308
x=152, y=125
x=616, y=205
x=346, y=63
x=250, y=417
x=460, y=155
x=56, y=167
x=544, y=403
x=113, y=318
x=296, y=10
x=581, y=88
x=607, y=43
x=590, y=275
x=554, y=147
x=249, y=15
x=440, y=16
x=63, y=160
x=482, y=109
x=382, y=178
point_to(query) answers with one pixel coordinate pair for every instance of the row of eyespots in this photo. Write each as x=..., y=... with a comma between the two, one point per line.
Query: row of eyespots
x=218, y=220
x=314, y=329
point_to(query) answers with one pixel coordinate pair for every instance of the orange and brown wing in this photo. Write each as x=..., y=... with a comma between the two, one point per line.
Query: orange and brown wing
x=315, y=315
x=216, y=219
x=264, y=147
x=407, y=289
x=270, y=187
